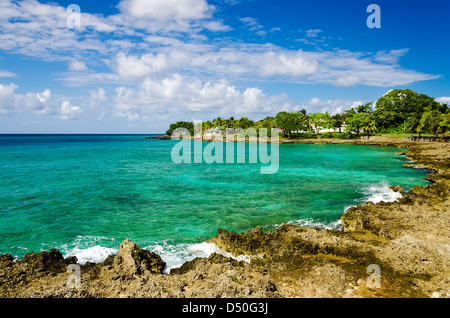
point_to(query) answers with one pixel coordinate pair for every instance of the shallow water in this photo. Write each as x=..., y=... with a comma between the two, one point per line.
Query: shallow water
x=84, y=194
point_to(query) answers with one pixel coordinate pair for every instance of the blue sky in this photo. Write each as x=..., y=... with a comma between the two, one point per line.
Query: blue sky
x=135, y=66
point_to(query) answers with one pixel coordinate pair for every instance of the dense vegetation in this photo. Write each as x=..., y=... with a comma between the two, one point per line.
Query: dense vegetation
x=398, y=111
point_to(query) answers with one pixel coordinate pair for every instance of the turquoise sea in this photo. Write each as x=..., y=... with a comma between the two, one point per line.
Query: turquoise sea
x=84, y=194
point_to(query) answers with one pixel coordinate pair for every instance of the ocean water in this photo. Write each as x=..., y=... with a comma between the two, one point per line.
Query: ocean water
x=84, y=194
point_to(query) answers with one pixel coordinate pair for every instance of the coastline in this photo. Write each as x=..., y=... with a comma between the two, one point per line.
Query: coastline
x=408, y=239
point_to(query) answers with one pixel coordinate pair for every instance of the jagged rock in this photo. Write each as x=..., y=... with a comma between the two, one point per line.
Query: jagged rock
x=134, y=260
x=47, y=262
x=6, y=261
x=397, y=189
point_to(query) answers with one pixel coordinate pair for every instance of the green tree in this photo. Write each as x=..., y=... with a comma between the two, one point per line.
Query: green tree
x=366, y=108
x=320, y=120
x=244, y=123
x=288, y=122
x=217, y=122
x=305, y=121
x=401, y=105
x=430, y=121
x=360, y=122
x=181, y=124
x=206, y=125
x=268, y=122
x=444, y=124
x=337, y=121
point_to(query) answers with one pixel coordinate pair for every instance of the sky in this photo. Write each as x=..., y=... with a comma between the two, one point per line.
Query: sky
x=135, y=66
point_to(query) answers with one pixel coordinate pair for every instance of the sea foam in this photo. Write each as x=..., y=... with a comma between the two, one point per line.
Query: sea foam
x=380, y=192
x=308, y=222
x=90, y=248
x=176, y=255
x=95, y=254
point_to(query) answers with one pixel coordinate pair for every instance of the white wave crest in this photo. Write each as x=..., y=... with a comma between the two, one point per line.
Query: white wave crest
x=336, y=225
x=380, y=192
x=95, y=254
x=89, y=248
x=176, y=255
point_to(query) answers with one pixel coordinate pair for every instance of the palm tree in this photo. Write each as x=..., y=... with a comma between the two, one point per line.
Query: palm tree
x=207, y=124
x=337, y=122
x=430, y=121
x=244, y=123
x=369, y=127
x=444, y=125
x=232, y=122
x=218, y=122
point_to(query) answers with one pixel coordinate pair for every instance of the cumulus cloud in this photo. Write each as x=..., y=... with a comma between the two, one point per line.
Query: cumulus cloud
x=11, y=102
x=99, y=95
x=188, y=16
x=40, y=103
x=134, y=67
x=443, y=100
x=69, y=112
x=166, y=9
x=177, y=94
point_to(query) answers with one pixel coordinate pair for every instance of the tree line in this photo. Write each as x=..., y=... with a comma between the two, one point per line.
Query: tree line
x=398, y=111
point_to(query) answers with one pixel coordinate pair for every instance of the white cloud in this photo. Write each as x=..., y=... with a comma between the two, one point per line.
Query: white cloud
x=390, y=57
x=4, y=73
x=166, y=9
x=348, y=80
x=346, y=68
x=176, y=94
x=313, y=33
x=332, y=106
x=40, y=30
x=99, y=95
x=253, y=25
x=69, y=112
x=295, y=64
x=77, y=66
x=256, y=62
x=170, y=30
x=133, y=67
x=443, y=100
x=249, y=21
x=40, y=103
x=44, y=96
x=11, y=102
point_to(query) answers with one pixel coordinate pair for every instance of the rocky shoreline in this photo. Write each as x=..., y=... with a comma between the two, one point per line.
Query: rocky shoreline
x=407, y=240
